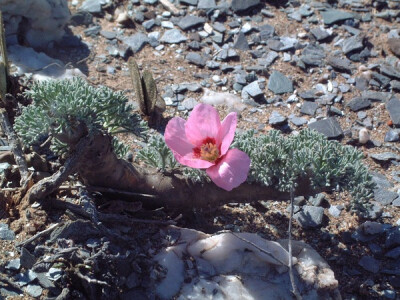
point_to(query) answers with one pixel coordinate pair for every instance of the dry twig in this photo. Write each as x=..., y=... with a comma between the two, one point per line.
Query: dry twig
x=15, y=147
x=39, y=234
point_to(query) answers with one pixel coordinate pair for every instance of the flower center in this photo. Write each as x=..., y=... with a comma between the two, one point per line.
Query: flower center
x=208, y=150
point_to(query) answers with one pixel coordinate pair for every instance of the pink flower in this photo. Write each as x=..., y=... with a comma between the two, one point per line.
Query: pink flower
x=202, y=142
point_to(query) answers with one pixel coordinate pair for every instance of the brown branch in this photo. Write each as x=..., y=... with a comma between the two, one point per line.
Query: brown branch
x=15, y=146
x=39, y=234
x=50, y=184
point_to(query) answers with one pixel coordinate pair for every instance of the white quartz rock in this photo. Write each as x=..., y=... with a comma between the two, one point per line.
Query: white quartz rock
x=230, y=266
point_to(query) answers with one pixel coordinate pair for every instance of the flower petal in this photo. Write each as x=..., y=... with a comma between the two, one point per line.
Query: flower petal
x=227, y=132
x=176, y=140
x=231, y=170
x=203, y=122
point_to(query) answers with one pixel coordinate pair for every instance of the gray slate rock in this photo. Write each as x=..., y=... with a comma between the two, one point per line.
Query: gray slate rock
x=34, y=290
x=173, y=36
x=309, y=108
x=370, y=264
x=44, y=281
x=393, y=107
x=394, y=253
x=136, y=41
x=341, y=64
x=241, y=42
x=319, y=33
x=279, y=83
x=92, y=6
x=332, y=16
x=189, y=103
x=5, y=233
x=239, y=6
x=390, y=71
x=206, y=4
x=313, y=55
x=376, y=96
x=189, y=2
x=310, y=216
x=25, y=278
x=298, y=121
x=358, y=103
x=352, y=44
x=253, y=90
x=269, y=59
x=393, y=237
x=335, y=210
x=384, y=196
x=308, y=95
x=189, y=21
x=392, y=136
x=385, y=156
x=266, y=31
x=276, y=118
x=196, y=59
x=14, y=264
x=329, y=127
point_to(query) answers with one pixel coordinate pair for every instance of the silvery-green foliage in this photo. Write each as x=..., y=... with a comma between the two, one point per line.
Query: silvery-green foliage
x=60, y=107
x=279, y=161
x=157, y=154
x=196, y=175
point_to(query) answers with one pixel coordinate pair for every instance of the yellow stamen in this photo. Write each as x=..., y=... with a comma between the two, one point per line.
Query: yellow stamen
x=209, y=152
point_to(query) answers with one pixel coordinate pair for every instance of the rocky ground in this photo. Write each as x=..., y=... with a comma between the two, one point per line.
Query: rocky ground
x=330, y=66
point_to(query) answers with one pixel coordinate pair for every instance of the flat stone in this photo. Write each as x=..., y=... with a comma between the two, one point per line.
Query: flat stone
x=394, y=253
x=396, y=202
x=109, y=35
x=239, y=6
x=6, y=234
x=393, y=237
x=189, y=21
x=189, y=2
x=313, y=55
x=298, y=121
x=329, y=127
x=266, y=31
x=393, y=107
x=269, y=59
x=14, y=264
x=34, y=290
x=92, y=6
x=392, y=136
x=352, y=44
x=319, y=33
x=358, y=103
x=189, y=103
x=276, y=118
x=136, y=41
x=206, y=4
x=370, y=264
x=385, y=156
x=310, y=216
x=394, y=45
x=44, y=281
x=253, y=90
x=309, y=108
x=54, y=274
x=173, y=36
x=332, y=16
x=25, y=278
x=81, y=18
x=196, y=59
x=383, y=80
x=376, y=96
x=308, y=95
x=241, y=42
x=335, y=210
x=384, y=196
x=341, y=64
x=279, y=83
x=390, y=71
